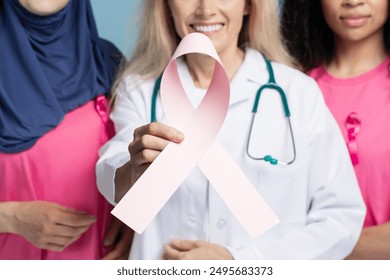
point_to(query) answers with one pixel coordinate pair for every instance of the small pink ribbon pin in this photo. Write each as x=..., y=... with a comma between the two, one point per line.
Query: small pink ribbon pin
x=103, y=109
x=352, y=124
x=200, y=147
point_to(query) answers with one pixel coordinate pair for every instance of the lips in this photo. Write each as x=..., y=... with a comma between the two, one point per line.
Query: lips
x=355, y=20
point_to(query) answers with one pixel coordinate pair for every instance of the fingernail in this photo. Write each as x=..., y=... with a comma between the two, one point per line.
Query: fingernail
x=175, y=241
x=179, y=137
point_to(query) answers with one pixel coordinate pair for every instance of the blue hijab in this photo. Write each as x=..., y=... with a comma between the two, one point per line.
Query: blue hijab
x=49, y=65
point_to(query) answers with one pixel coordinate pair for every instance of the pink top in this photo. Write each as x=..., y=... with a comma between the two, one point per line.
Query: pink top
x=361, y=106
x=60, y=168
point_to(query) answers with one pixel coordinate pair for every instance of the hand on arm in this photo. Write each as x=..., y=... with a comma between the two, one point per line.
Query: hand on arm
x=374, y=243
x=119, y=238
x=149, y=141
x=195, y=250
x=46, y=225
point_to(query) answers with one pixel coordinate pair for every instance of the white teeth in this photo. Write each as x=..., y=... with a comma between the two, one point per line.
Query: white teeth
x=207, y=28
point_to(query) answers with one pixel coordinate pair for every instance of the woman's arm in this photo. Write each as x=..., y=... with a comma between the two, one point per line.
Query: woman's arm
x=136, y=144
x=373, y=244
x=46, y=225
x=6, y=214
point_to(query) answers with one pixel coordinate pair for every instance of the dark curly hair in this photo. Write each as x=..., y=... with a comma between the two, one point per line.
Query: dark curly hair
x=307, y=36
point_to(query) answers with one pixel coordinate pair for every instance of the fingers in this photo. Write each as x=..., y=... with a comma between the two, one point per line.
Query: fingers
x=170, y=253
x=57, y=243
x=159, y=130
x=60, y=241
x=65, y=227
x=69, y=217
x=150, y=140
x=73, y=219
x=122, y=248
x=184, y=245
x=195, y=250
x=53, y=247
x=59, y=237
x=144, y=157
x=67, y=231
x=116, y=255
x=49, y=225
x=112, y=232
x=180, y=249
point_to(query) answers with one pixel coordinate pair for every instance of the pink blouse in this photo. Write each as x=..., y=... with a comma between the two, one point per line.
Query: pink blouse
x=361, y=106
x=60, y=168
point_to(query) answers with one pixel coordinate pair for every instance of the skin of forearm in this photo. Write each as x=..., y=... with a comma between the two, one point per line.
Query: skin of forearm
x=374, y=243
x=122, y=181
x=7, y=211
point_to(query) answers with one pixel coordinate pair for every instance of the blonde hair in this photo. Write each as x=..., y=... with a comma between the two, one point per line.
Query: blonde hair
x=158, y=38
x=263, y=31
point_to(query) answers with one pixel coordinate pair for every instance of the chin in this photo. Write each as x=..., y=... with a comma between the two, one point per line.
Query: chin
x=43, y=7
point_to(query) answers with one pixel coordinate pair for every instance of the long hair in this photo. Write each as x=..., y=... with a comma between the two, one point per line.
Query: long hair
x=158, y=39
x=307, y=36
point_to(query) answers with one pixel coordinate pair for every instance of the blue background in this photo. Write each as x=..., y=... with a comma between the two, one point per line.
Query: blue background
x=117, y=21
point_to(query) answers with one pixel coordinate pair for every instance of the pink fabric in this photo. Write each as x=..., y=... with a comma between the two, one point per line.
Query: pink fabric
x=368, y=96
x=352, y=123
x=60, y=168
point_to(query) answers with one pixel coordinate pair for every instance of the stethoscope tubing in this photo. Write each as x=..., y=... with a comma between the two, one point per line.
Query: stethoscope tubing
x=271, y=84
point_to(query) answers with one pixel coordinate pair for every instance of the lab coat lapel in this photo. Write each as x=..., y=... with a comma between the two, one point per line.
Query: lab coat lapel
x=249, y=77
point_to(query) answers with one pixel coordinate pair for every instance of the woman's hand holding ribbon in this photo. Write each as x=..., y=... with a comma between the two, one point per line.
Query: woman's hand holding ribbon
x=149, y=141
x=200, y=148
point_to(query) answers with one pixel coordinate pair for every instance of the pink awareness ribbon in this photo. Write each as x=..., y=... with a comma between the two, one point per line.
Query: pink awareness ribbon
x=200, y=147
x=103, y=109
x=352, y=124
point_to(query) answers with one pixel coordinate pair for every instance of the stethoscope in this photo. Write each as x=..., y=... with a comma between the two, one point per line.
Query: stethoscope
x=271, y=84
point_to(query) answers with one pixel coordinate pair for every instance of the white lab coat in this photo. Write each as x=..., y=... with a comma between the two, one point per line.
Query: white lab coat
x=316, y=198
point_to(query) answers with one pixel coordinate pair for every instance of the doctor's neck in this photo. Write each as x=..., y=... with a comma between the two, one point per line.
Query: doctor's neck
x=201, y=67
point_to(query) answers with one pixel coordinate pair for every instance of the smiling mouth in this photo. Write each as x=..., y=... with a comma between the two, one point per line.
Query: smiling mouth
x=207, y=28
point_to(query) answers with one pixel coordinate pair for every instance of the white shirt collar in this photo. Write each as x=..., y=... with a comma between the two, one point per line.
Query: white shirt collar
x=251, y=74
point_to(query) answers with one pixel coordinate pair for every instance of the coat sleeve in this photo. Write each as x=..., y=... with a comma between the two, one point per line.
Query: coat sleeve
x=127, y=115
x=335, y=211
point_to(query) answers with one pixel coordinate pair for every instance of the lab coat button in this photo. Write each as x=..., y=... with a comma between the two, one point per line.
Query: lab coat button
x=221, y=224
